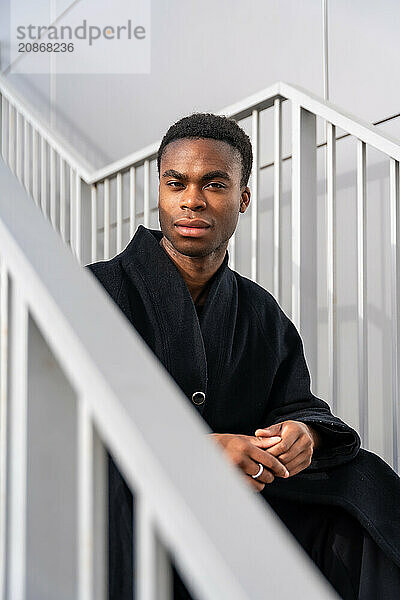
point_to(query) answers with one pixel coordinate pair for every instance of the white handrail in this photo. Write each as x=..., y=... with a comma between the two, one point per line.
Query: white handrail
x=352, y=124
x=129, y=408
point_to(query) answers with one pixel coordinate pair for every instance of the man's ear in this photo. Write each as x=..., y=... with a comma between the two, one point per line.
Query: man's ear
x=244, y=199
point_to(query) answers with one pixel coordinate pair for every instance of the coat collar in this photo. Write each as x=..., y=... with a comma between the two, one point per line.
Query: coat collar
x=191, y=349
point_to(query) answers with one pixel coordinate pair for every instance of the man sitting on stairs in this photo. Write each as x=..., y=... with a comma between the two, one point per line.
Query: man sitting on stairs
x=239, y=360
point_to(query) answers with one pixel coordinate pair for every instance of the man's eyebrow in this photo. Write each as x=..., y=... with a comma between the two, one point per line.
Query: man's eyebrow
x=205, y=177
x=173, y=173
x=214, y=174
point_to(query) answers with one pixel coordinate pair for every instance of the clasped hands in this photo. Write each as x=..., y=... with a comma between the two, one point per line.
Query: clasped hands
x=283, y=449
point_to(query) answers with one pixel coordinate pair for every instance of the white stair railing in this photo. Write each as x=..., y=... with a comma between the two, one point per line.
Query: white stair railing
x=67, y=393
x=107, y=204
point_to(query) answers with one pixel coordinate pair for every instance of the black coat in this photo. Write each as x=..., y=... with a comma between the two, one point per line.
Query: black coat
x=244, y=353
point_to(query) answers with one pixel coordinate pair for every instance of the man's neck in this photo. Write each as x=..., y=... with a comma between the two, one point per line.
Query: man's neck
x=195, y=270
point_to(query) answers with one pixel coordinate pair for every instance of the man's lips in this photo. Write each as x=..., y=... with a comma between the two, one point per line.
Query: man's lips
x=192, y=227
x=192, y=223
x=192, y=231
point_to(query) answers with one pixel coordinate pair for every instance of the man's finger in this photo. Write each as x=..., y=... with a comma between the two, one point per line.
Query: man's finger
x=266, y=442
x=265, y=477
x=285, y=444
x=258, y=486
x=270, y=462
x=300, y=463
x=270, y=431
x=297, y=448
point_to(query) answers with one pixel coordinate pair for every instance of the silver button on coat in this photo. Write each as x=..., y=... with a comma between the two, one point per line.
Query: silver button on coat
x=198, y=398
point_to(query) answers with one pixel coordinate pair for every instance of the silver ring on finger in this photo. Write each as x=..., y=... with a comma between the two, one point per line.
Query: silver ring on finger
x=259, y=472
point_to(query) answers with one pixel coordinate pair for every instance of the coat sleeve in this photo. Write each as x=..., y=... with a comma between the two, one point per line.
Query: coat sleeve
x=291, y=399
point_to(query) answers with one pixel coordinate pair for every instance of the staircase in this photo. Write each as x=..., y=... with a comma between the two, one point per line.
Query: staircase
x=51, y=344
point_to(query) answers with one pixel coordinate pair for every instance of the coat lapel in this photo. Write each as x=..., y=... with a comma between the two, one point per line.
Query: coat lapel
x=217, y=323
x=191, y=351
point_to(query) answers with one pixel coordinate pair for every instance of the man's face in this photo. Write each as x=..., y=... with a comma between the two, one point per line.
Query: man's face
x=200, y=179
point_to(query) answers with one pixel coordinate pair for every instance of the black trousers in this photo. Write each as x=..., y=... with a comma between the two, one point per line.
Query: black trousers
x=341, y=548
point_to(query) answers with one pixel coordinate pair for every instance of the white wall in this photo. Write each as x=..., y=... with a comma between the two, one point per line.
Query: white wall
x=204, y=55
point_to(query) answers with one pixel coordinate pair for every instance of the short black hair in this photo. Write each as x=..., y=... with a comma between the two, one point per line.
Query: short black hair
x=217, y=127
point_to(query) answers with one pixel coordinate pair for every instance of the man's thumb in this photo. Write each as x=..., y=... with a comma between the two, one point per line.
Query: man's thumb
x=269, y=431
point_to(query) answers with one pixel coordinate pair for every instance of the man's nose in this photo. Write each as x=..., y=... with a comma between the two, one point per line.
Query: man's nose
x=193, y=199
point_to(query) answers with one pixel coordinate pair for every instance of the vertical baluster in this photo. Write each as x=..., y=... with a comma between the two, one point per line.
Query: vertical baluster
x=63, y=225
x=91, y=509
x=3, y=421
x=304, y=228
x=27, y=156
x=35, y=166
x=254, y=204
x=85, y=503
x=395, y=288
x=11, y=137
x=362, y=292
x=43, y=175
x=132, y=201
x=106, y=219
x=4, y=132
x=232, y=251
x=17, y=499
x=153, y=570
x=119, y=212
x=331, y=259
x=53, y=184
x=78, y=218
x=94, y=222
x=146, y=193
x=277, y=196
x=72, y=191
x=99, y=518
x=18, y=145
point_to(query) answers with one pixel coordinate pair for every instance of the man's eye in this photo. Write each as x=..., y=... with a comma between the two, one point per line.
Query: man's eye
x=174, y=183
x=215, y=183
